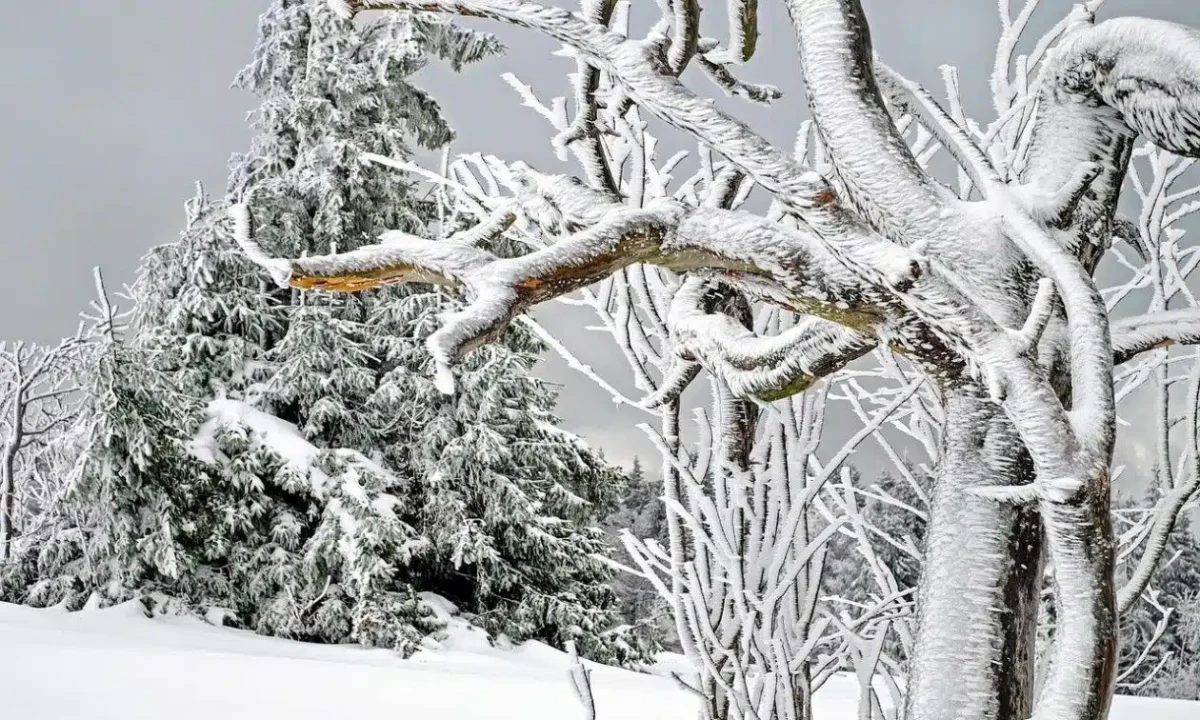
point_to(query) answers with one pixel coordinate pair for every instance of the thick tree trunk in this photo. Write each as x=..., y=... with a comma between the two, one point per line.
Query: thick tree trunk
x=1083, y=670
x=977, y=617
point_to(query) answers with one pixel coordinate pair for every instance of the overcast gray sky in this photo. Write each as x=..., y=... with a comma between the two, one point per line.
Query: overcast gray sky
x=114, y=109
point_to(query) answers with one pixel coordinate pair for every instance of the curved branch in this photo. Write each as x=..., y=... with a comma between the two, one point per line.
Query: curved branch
x=884, y=181
x=1136, y=335
x=1143, y=73
x=678, y=376
x=583, y=129
x=765, y=368
x=1149, y=71
x=686, y=34
x=724, y=79
x=743, y=30
x=787, y=266
x=1167, y=512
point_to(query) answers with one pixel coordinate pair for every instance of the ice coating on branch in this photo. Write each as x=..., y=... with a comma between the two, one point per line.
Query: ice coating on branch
x=1135, y=335
x=743, y=30
x=753, y=366
x=873, y=163
x=1149, y=70
x=1039, y=316
x=1055, y=490
x=1057, y=208
x=678, y=376
x=1107, y=82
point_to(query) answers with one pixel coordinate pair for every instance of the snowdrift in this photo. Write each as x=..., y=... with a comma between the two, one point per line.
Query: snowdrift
x=117, y=664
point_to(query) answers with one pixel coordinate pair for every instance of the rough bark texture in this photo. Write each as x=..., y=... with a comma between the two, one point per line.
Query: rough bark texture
x=976, y=613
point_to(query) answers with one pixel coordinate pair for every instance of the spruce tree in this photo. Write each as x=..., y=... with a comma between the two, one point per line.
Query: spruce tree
x=312, y=478
x=1174, y=587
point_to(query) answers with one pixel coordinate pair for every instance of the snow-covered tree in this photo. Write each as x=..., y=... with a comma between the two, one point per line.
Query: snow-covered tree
x=37, y=402
x=983, y=283
x=126, y=515
x=284, y=461
x=1156, y=631
x=500, y=500
x=897, y=518
x=1179, y=676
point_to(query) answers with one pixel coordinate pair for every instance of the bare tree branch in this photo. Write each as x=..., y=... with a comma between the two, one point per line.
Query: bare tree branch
x=1136, y=335
x=765, y=368
x=784, y=265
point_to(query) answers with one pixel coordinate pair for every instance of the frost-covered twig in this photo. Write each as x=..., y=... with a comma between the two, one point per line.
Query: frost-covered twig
x=1135, y=335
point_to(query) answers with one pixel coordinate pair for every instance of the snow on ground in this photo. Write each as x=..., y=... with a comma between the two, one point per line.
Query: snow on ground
x=117, y=664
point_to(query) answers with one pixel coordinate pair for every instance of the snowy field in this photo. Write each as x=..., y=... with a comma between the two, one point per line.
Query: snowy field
x=117, y=664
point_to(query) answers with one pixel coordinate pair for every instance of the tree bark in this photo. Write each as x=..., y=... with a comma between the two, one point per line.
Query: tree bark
x=977, y=614
x=7, y=503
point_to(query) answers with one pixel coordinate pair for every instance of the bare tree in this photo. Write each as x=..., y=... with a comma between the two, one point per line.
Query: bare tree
x=987, y=289
x=39, y=404
x=36, y=388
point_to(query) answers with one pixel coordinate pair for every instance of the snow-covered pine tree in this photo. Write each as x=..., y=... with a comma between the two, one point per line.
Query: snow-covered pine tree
x=641, y=507
x=510, y=503
x=1159, y=641
x=326, y=481
x=500, y=499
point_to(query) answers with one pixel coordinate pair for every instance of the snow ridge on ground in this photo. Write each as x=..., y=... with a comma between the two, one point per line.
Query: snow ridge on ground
x=119, y=664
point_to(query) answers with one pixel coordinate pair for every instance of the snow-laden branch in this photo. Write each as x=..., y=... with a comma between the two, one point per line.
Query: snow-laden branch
x=644, y=76
x=743, y=29
x=685, y=16
x=582, y=136
x=881, y=177
x=1087, y=321
x=786, y=265
x=1135, y=335
x=767, y=368
x=1145, y=70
